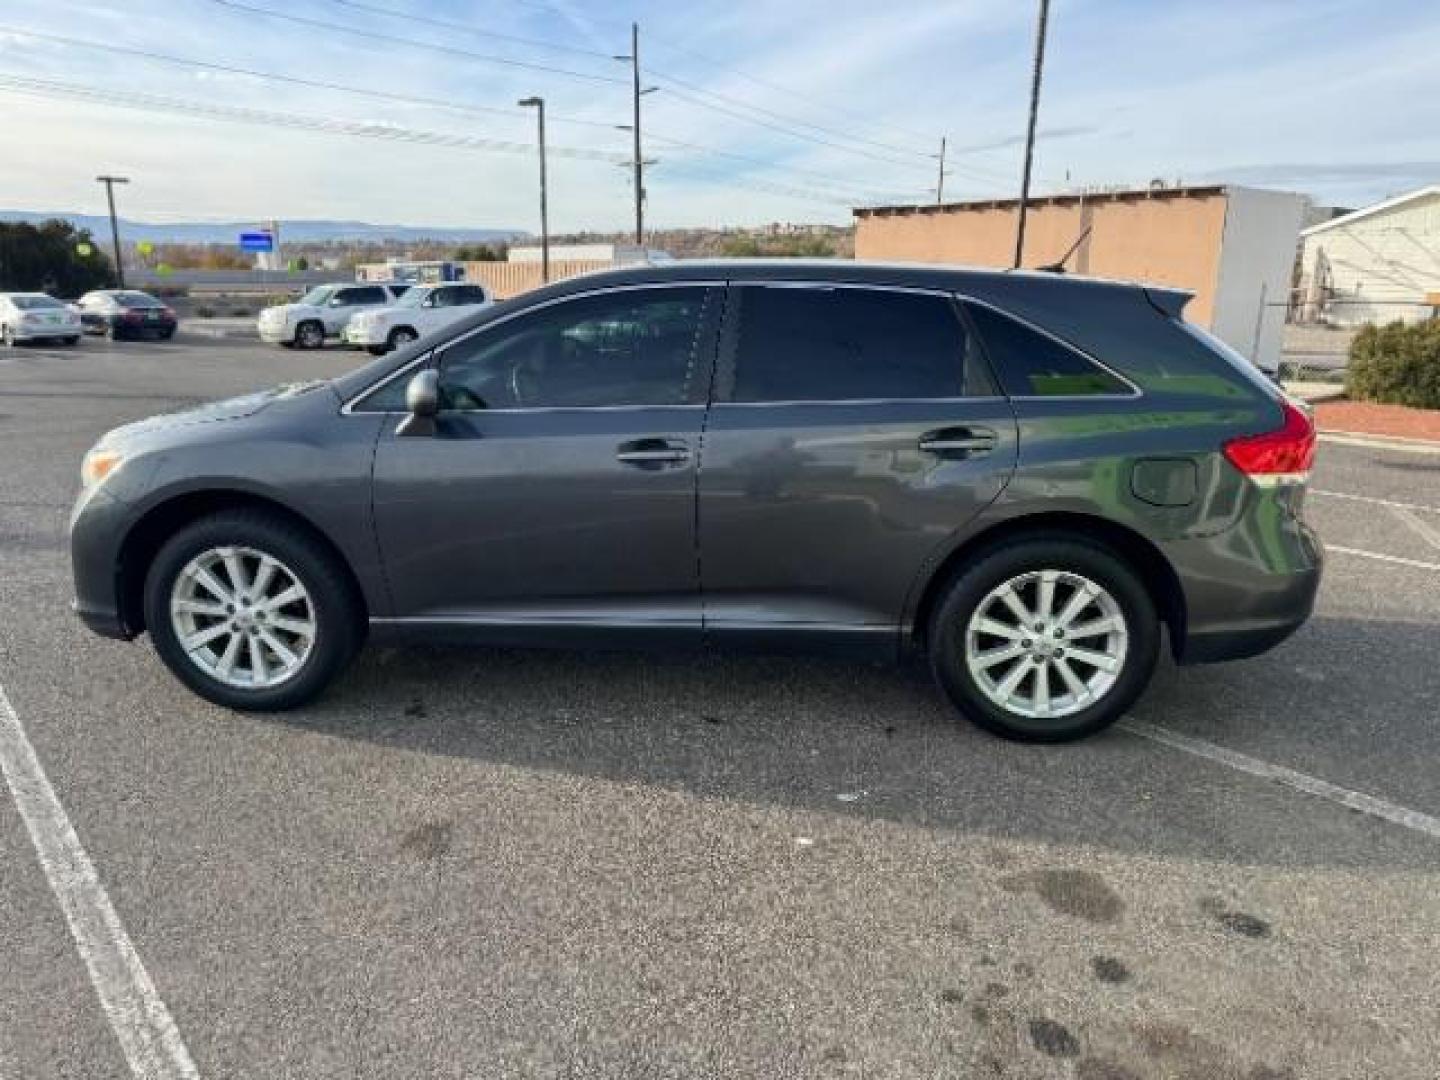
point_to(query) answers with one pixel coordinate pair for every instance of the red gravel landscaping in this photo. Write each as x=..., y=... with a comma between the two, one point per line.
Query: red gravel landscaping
x=1370, y=419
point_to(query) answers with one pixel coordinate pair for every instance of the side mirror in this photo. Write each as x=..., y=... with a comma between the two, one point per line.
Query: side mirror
x=422, y=398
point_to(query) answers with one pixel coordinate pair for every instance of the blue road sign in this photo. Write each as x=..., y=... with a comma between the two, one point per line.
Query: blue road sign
x=257, y=241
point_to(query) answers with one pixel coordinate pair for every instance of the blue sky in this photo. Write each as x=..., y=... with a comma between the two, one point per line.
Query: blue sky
x=813, y=104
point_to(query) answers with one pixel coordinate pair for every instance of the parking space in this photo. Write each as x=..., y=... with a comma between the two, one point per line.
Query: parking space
x=591, y=865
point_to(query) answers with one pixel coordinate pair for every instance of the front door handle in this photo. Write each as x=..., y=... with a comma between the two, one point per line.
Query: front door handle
x=959, y=442
x=652, y=453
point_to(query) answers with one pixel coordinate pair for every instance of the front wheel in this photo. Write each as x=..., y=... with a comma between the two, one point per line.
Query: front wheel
x=251, y=612
x=400, y=337
x=1045, y=639
x=310, y=335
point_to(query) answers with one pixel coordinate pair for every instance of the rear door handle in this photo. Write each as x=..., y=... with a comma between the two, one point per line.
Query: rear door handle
x=959, y=442
x=652, y=452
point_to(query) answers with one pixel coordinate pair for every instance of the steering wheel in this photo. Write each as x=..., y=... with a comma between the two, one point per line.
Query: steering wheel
x=524, y=386
x=459, y=397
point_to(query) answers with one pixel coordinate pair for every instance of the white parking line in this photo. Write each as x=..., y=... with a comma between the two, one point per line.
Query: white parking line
x=141, y=1022
x=1418, y=526
x=1391, y=503
x=1310, y=785
x=1396, y=559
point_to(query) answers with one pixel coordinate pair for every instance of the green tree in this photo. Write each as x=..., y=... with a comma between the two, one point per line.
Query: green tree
x=47, y=257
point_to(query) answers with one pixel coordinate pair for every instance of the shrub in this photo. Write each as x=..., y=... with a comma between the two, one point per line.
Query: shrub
x=1397, y=364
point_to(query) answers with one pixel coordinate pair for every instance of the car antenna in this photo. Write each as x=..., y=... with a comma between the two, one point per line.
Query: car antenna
x=1058, y=266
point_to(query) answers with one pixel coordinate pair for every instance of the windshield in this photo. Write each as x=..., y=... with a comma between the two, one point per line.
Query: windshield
x=35, y=303
x=317, y=296
x=136, y=300
x=413, y=297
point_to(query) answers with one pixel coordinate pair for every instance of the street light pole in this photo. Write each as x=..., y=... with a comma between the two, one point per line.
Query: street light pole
x=110, y=182
x=1030, y=128
x=940, y=185
x=538, y=103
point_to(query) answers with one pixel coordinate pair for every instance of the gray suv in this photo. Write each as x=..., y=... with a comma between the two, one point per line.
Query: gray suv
x=1024, y=477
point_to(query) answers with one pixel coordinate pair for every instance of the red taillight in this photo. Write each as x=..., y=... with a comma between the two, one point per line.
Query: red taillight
x=1288, y=450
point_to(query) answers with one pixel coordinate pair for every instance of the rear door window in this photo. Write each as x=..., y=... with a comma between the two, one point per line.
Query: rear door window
x=1033, y=364
x=820, y=343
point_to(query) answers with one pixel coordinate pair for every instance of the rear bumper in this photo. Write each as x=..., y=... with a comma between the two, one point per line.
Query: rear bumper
x=1246, y=593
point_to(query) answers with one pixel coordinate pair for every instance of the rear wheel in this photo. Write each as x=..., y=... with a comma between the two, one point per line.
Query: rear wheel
x=310, y=335
x=251, y=612
x=1045, y=640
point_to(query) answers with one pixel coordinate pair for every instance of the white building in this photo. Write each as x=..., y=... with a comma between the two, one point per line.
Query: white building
x=1378, y=264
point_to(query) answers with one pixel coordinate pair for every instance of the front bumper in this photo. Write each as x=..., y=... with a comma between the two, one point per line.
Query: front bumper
x=363, y=335
x=276, y=333
x=97, y=523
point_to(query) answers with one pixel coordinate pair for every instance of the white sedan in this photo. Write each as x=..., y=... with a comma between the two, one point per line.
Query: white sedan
x=422, y=310
x=36, y=317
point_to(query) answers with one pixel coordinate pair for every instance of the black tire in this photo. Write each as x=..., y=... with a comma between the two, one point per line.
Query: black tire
x=73, y=339
x=166, y=335
x=310, y=335
x=1050, y=551
x=339, y=612
x=400, y=337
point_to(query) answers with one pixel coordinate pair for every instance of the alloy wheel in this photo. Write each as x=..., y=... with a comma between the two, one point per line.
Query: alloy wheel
x=1046, y=644
x=243, y=617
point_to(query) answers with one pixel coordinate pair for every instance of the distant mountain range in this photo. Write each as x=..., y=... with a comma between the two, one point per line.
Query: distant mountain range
x=209, y=232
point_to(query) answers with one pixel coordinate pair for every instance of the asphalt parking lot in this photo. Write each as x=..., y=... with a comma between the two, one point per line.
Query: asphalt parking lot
x=493, y=864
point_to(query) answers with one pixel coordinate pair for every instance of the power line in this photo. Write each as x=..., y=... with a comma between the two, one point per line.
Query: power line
x=721, y=65
x=709, y=151
x=786, y=119
x=295, y=80
x=154, y=103
x=391, y=40
x=725, y=111
x=385, y=95
x=446, y=24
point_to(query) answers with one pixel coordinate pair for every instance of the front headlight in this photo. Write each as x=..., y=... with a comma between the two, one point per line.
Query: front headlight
x=99, y=464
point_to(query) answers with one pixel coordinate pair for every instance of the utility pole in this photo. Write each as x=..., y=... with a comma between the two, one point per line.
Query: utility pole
x=110, y=182
x=940, y=185
x=639, y=161
x=1030, y=128
x=538, y=103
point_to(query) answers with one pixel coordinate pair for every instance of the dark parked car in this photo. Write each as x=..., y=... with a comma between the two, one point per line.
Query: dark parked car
x=126, y=313
x=1025, y=476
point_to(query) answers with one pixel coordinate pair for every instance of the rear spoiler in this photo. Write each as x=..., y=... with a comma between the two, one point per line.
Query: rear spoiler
x=1169, y=302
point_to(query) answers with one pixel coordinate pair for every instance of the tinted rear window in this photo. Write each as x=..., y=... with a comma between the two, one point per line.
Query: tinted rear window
x=848, y=344
x=1031, y=364
x=136, y=300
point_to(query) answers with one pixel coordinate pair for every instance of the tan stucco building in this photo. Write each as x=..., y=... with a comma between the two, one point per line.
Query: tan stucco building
x=1233, y=247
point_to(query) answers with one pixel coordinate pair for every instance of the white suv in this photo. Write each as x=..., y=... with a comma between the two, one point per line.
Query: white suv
x=36, y=317
x=422, y=310
x=322, y=313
